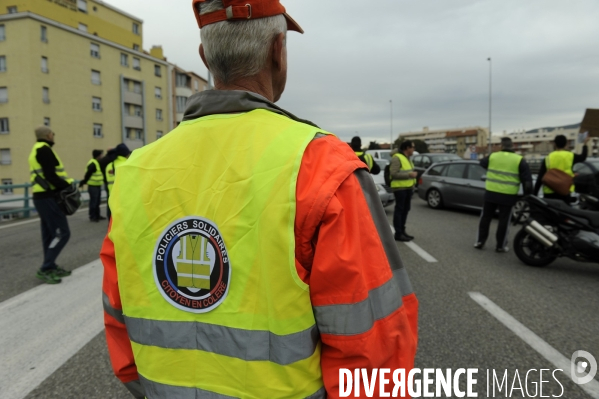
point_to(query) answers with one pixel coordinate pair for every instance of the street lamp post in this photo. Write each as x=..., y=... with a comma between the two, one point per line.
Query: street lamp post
x=391, y=131
x=490, y=102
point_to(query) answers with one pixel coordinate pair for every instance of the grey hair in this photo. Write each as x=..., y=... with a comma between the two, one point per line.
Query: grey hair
x=238, y=49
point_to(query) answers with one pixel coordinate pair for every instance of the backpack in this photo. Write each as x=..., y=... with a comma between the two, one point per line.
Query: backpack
x=387, y=174
x=69, y=199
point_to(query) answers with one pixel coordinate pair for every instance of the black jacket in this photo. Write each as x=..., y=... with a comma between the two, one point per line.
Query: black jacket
x=46, y=158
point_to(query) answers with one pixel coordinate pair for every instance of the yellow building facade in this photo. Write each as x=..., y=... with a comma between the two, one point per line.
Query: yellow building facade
x=92, y=88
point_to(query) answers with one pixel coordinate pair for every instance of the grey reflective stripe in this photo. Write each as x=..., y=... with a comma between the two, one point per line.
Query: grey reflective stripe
x=36, y=171
x=156, y=390
x=117, y=314
x=358, y=318
x=136, y=389
x=500, y=172
x=320, y=394
x=249, y=345
x=509, y=183
x=382, y=226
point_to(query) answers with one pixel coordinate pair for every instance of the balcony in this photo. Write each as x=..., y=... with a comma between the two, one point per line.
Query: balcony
x=133, y=98
x=135, y=122
x=183, y=91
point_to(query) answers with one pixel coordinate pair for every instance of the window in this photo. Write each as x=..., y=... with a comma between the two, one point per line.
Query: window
x=417, y=161
x=158, y=114
x=136, y=28
x=2, y=63
x=94, y=50
x=181, y=104
x=3, y=94
x=96, y=77
x=45, y=64
x=4, y=126
x=46, y=95
x=82, y=5
x=134, y=134
x=475, y=172
x=436, y=170
x=157, y=70
x=158, y=92
x=5, y=156
x=46, y=121
x=82, y=27
x=96, y=103
x=197, y=85
x=159, y=134
x=12, y=9
x=182, y=80
x=2, y=33
x=6, y=182
x=426, y=162
x=136, y=110
x=44, y=34
x=137, y=87
x=124, y=60
x=136, y=64
x=456, y=170
x=98, y=130
x=136, y=47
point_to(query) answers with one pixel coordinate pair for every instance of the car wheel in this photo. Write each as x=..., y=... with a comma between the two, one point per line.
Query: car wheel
x=433, y=198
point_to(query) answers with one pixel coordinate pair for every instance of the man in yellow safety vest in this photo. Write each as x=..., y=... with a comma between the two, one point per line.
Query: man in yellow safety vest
x=356, y=145
x=94, y=178
x=403, y=180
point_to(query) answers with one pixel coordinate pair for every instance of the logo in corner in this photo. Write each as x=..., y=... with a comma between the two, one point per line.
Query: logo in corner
x=191, y=265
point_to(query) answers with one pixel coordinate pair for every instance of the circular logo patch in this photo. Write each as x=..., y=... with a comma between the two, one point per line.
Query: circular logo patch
x=191, y=265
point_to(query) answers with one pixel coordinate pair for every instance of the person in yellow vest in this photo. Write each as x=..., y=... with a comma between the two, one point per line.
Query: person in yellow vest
x=506, y=171
x=561, y=159
x=48, y=177
x=356, y=145
x=122, y=152
x=246, y=257
x=94, y=178
x=403, y=180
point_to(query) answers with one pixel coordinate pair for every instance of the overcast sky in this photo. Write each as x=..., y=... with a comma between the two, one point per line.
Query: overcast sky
x=429, y=57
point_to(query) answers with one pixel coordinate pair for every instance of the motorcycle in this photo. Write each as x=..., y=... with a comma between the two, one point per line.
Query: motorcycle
x=553, y=229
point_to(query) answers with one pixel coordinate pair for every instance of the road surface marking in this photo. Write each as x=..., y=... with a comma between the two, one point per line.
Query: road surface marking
x=42, y=328
x=37, y=219
x=416, y=248
x=532, y=339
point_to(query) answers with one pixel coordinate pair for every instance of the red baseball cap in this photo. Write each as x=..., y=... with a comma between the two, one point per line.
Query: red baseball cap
x=245, y=9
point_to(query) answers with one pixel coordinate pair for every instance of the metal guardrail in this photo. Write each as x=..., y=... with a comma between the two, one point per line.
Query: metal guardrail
x=27, y=199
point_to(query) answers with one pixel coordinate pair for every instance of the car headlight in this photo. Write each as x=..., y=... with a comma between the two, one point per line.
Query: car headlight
x=380, y=188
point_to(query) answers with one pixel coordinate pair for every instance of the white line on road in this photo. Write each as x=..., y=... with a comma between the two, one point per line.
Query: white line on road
x=42, y=328
x=416, y=248
x=37, y=219
x=532, y=339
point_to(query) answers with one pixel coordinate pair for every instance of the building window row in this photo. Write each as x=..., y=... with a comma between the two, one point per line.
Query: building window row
x=3, y=94
x=96, y=103
x=158, y=114
x=44, y=65
x=157, y=70
x=134, y=134
x=98, y=130
x=4, y=129
x=124, y=59
x=5, y=158
x=82, y=5
x=44, y=34
x=94, y=50
x=82, y=27
x=159, y=134
x=6, y=190
x=12, y=9
x=136, y=64
x=96, y=77
x=158, y=92
x=2, y=33
x=2, y=63
x=46, y=95
x=47, y=122
x=181, y=104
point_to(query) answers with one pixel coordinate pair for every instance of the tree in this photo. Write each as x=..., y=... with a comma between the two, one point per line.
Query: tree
x=374, y=145
x=420, y=146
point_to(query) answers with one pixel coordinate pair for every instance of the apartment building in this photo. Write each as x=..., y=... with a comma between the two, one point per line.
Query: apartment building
x=455, y=141
x=79, y=67
x=185, y=84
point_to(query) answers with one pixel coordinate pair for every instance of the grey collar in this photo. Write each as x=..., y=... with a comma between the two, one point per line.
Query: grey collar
x=211, y=102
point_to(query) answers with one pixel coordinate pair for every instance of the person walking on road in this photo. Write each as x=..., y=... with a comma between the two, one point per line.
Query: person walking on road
x=563, y=160
x=356, y=145
x=94, y=178
x=48, y=177
x=505, y=172
x=248, y=251
x=403, y=180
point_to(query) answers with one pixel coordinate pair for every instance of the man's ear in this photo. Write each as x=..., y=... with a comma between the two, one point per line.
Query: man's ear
x=202, y=56
x=278, y=50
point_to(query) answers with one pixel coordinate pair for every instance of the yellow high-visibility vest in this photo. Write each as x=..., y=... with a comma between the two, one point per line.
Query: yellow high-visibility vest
x=36, y=169
x=97, y=178
x=406, y=166
x=203, y=231
x=367, y=157
x=111, y=171
x=503, y=173
x=562, y=160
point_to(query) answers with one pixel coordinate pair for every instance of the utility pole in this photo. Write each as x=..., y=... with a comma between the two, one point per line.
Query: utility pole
x=391, y=132
x=490, y=102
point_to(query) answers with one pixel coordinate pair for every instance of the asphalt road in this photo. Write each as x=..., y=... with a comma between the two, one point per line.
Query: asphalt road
x=559, y=304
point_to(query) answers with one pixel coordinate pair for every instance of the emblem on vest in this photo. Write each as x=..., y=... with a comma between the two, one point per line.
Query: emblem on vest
x=191, y=265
